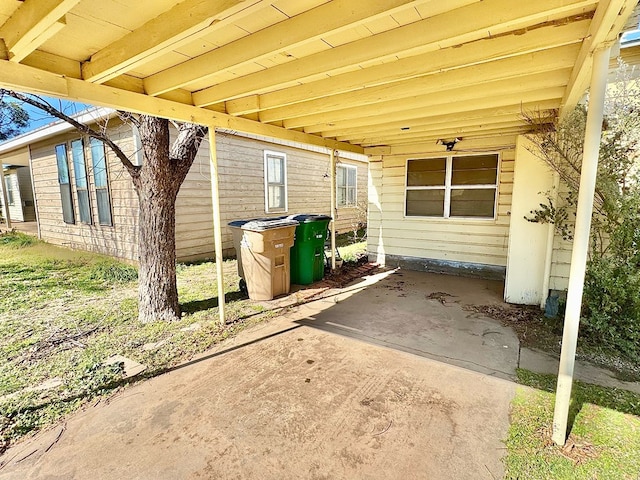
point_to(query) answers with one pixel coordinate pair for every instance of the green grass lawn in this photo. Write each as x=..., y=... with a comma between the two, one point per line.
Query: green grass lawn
x=604, y=443
x=63, y=313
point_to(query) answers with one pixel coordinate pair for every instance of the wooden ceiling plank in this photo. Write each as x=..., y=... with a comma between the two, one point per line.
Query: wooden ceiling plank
x=510, y=120
x=26, y=79
x=553, y=95
x=609, y=18
x=474, y=53
x=167, y=31
x=513, y=67
x=452, y=28
x=435, y=101
x=417, y=149
x=509, y=127
x=470, y=116
x=307, y=26
x=32, y=24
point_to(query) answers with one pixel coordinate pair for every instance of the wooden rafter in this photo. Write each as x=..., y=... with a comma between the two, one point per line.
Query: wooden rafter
x=455, y=27
x=609, y=18
x=475, y=53
x=170, y=30
x=32, y=24
x=307, y=26
x=27, y=79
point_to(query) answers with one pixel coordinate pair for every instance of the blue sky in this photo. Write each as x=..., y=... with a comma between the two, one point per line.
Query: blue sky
x=38, y=118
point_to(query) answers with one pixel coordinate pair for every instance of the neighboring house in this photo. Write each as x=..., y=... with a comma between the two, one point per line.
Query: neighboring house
x=85, y=198
x=17, y=184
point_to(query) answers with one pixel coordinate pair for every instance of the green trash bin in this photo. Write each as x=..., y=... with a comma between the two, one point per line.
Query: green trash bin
x=307, y=253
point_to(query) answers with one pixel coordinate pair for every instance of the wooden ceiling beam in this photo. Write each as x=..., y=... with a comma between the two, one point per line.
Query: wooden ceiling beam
x=474, y=53
x=543, y=96
x=609, y=18
x=26, y=79
x=32, y=24
x=507, y=128
x=417, y=148
x=509, y=68
x=439, y=102
x=475, y=124
x=466, y=24
x=468, y=117
x=302, y=28
x=170, y=30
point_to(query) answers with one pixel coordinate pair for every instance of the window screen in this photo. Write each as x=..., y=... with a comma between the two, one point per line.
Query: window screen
x=65, y=184
x=275, y=181
x=8, y=182
x=460, y=186
x=346, y=188
x=101, y=181
x=82, y=187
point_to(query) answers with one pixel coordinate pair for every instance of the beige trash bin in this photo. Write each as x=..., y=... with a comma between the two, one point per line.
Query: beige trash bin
x=265, y=257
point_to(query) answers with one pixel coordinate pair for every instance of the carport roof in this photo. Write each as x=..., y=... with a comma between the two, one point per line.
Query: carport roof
x=343, y=74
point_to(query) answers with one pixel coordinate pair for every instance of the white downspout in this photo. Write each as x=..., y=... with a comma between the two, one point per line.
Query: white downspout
x=5, y=199
x=217, y=226
x=332, y=159
x=584, y=210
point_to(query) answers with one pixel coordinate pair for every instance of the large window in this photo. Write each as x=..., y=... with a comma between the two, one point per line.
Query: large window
x=452, y=186
x=65, y=184
x=82, y=187
x=346, y=193
x=275, y=182
x=101, y=181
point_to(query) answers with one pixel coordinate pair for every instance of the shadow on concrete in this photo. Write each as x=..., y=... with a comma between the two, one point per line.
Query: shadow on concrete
x=423, y=314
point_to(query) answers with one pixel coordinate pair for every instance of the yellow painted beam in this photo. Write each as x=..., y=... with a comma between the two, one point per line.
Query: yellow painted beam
x=33, y=23
x=469, y=117
x=493, y=101
x=499, y=142
x=474, y=53
x=446, y=134
x=607, y=23
x=439, y=102
x=506, y=69
x=30, y=80
x=302, y=28
x=170, y=30
x=474, y=22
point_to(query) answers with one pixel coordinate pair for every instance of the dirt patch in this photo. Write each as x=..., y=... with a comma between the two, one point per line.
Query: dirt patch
x=576, y=450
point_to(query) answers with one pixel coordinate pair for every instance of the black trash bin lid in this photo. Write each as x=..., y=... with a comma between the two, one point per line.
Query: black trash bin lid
x=308, y=217
x=261, y=225
x=238, y=223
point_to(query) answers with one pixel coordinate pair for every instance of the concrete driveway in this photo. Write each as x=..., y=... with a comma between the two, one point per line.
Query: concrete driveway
x=343, y=388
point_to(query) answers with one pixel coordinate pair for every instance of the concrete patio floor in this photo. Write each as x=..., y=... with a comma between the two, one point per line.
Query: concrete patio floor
x=341, y=388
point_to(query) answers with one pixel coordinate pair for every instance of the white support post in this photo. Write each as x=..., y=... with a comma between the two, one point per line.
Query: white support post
x=217, y=226
x=333, y=155
x=579, y=253
x=5, y=199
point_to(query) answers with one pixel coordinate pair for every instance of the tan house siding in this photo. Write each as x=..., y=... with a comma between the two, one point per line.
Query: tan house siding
x=470, y=241
x=241, y=166
x=241, y=170
x=119, y=240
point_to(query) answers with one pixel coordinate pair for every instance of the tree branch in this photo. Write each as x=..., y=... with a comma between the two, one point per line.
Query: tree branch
x=46, y=107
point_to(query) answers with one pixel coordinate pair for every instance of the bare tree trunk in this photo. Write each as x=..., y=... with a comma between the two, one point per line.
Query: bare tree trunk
x=157, y=186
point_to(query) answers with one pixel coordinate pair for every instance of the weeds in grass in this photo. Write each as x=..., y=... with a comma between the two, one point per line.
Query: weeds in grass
x=14, y=239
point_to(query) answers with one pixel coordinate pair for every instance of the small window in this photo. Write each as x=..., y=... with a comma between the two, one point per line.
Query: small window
x=346, y=178
x=275, y=182
x=455, y=186
x=82, y=187
x=8, y=181
x=101, y=181
x=65, y=184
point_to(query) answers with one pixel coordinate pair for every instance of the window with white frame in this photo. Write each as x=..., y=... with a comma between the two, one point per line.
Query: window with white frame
x=8, y=181
x=454, y=186
x=275, y=182
x=82, y=184
x=346, y=179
